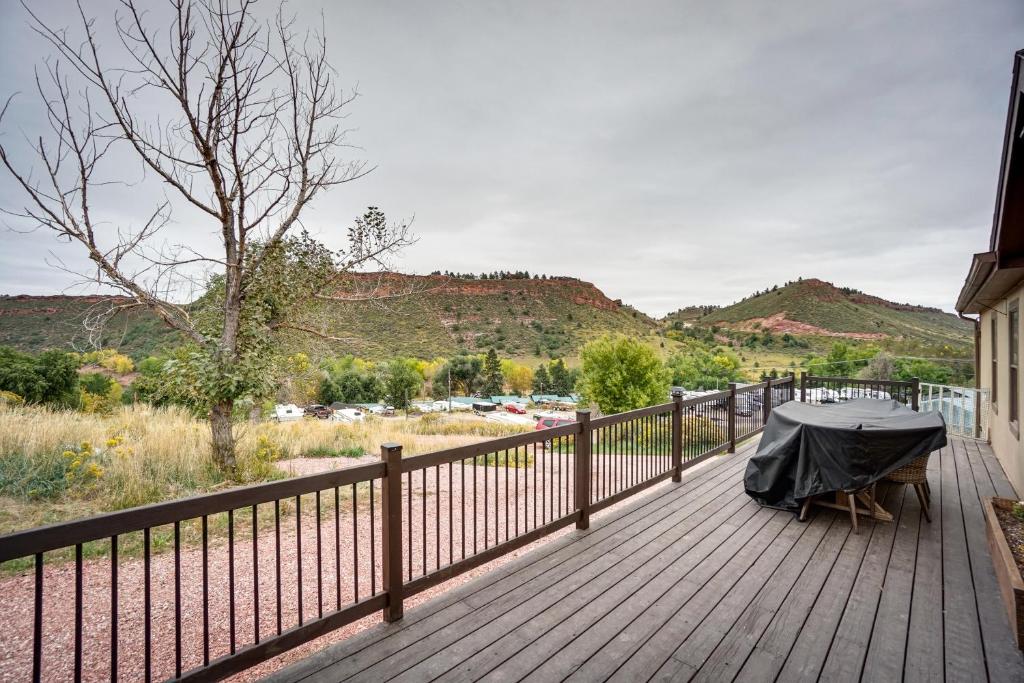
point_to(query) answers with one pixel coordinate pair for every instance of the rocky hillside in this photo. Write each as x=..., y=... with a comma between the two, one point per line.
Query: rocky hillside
x=422, y=316
x=819, y=308
x=434, y=315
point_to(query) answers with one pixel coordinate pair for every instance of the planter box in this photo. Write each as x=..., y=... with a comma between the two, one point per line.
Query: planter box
x=1011, y=584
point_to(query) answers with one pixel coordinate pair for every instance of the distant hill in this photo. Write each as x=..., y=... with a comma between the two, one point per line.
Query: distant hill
x=422, y=316
x=36, y=323
x=816, y=307
x=517, y=316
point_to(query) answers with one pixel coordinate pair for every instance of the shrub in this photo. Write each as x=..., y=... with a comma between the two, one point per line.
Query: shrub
x=258, y=464
x=328, y=452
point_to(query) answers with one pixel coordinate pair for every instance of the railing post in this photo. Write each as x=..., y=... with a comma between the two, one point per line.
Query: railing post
x=677, y=435
x=583, y=466
x=766, y=402
x=791, y=391
x=391, y=529
x=731, y=403
x=803, y=386
x=915, y=396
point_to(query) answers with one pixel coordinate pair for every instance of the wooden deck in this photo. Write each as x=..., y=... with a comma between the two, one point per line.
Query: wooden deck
x=696, y=582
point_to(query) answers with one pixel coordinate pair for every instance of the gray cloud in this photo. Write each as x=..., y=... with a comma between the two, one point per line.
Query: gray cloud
x=672, y=153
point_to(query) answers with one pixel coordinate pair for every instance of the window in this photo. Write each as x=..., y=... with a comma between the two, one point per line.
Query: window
x=1014, y=339
x=993, y=348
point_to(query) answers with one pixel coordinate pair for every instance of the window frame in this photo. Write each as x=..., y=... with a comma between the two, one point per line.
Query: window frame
x=1013, y=364
x=994, y=353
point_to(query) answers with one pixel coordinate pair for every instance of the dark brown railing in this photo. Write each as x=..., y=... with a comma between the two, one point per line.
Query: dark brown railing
x=834, y=389
x=207, y=586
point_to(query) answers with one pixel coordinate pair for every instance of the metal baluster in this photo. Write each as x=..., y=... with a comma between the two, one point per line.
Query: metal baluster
x=37, y=622
x=277, y=559
x=113, y=602
x=177, y=599
x=319, y=560
x=355, y=544
x=146, y=609
x=231, y=578
x=206, y=592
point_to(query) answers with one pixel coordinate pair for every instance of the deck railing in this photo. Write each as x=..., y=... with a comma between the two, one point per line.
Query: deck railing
x=814, y=389
x=965, y=409
x=203, y=587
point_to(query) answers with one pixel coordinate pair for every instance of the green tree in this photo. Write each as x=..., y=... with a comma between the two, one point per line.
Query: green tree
x=702, y=369
x=620, y=373
x=402, y=381
x=50, y=377
x=924, y=370
x=541, y=381
x=465, y=373
x=493, y=378
x=350, y=380
x=562, y=380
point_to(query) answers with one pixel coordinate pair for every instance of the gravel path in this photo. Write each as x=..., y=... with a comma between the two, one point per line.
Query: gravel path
x=457, y=502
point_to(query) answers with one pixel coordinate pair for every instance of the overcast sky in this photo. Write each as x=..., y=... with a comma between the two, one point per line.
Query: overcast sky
x=671, y=153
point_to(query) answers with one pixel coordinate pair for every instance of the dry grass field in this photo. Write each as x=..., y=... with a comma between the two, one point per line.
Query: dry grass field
x=57, y=465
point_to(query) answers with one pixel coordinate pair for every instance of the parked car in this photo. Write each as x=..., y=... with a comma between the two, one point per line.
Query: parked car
x=348, y=415
x=287, y=412
x=549, y=422
x=515, y=408
x=318, y=411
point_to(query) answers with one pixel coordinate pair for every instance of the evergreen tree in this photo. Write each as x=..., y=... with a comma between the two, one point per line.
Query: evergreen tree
x=561, y=381
x=494, y=380
x=541, y=381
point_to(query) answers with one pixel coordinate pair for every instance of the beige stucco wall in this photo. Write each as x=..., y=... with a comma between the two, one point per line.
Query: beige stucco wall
x=1008, y=447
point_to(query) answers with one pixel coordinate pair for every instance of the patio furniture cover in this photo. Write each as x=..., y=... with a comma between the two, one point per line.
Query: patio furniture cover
x=808, y=450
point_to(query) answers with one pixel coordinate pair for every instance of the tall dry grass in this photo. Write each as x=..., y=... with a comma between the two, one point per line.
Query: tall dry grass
x=59, y=464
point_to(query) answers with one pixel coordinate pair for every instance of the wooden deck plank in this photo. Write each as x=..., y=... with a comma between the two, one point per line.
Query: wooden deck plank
x=694, y=581
x=602, y=621
x=570, y=595
x=554, y=630
x=693, y=616
x=806, y=570
x=791, y=647
x=886, y=649
x=925, y=649
x=964, y=655
x=1000, y=482
x=1002, y=657
x=845, y=658
x=715, y=504
x=618, y=637
x=807, y=656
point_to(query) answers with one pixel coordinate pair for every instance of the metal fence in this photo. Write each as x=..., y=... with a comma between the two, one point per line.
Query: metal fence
x=207, y=586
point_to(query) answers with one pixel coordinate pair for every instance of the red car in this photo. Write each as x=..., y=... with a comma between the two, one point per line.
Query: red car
x=515, y=408
x=548, y=422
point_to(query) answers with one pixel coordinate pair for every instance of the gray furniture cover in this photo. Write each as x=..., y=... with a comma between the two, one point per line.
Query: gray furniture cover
x=808, y=450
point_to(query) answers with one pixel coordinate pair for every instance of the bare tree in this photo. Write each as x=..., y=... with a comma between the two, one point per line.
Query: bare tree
x=249, y=133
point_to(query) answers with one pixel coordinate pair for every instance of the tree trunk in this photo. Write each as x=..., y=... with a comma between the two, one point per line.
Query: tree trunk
x=223, y=436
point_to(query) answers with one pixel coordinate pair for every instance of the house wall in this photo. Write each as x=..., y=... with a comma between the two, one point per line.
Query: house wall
x=1006, y=442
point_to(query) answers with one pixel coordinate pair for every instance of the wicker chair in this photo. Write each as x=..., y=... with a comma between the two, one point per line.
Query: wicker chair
x=915, y=473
